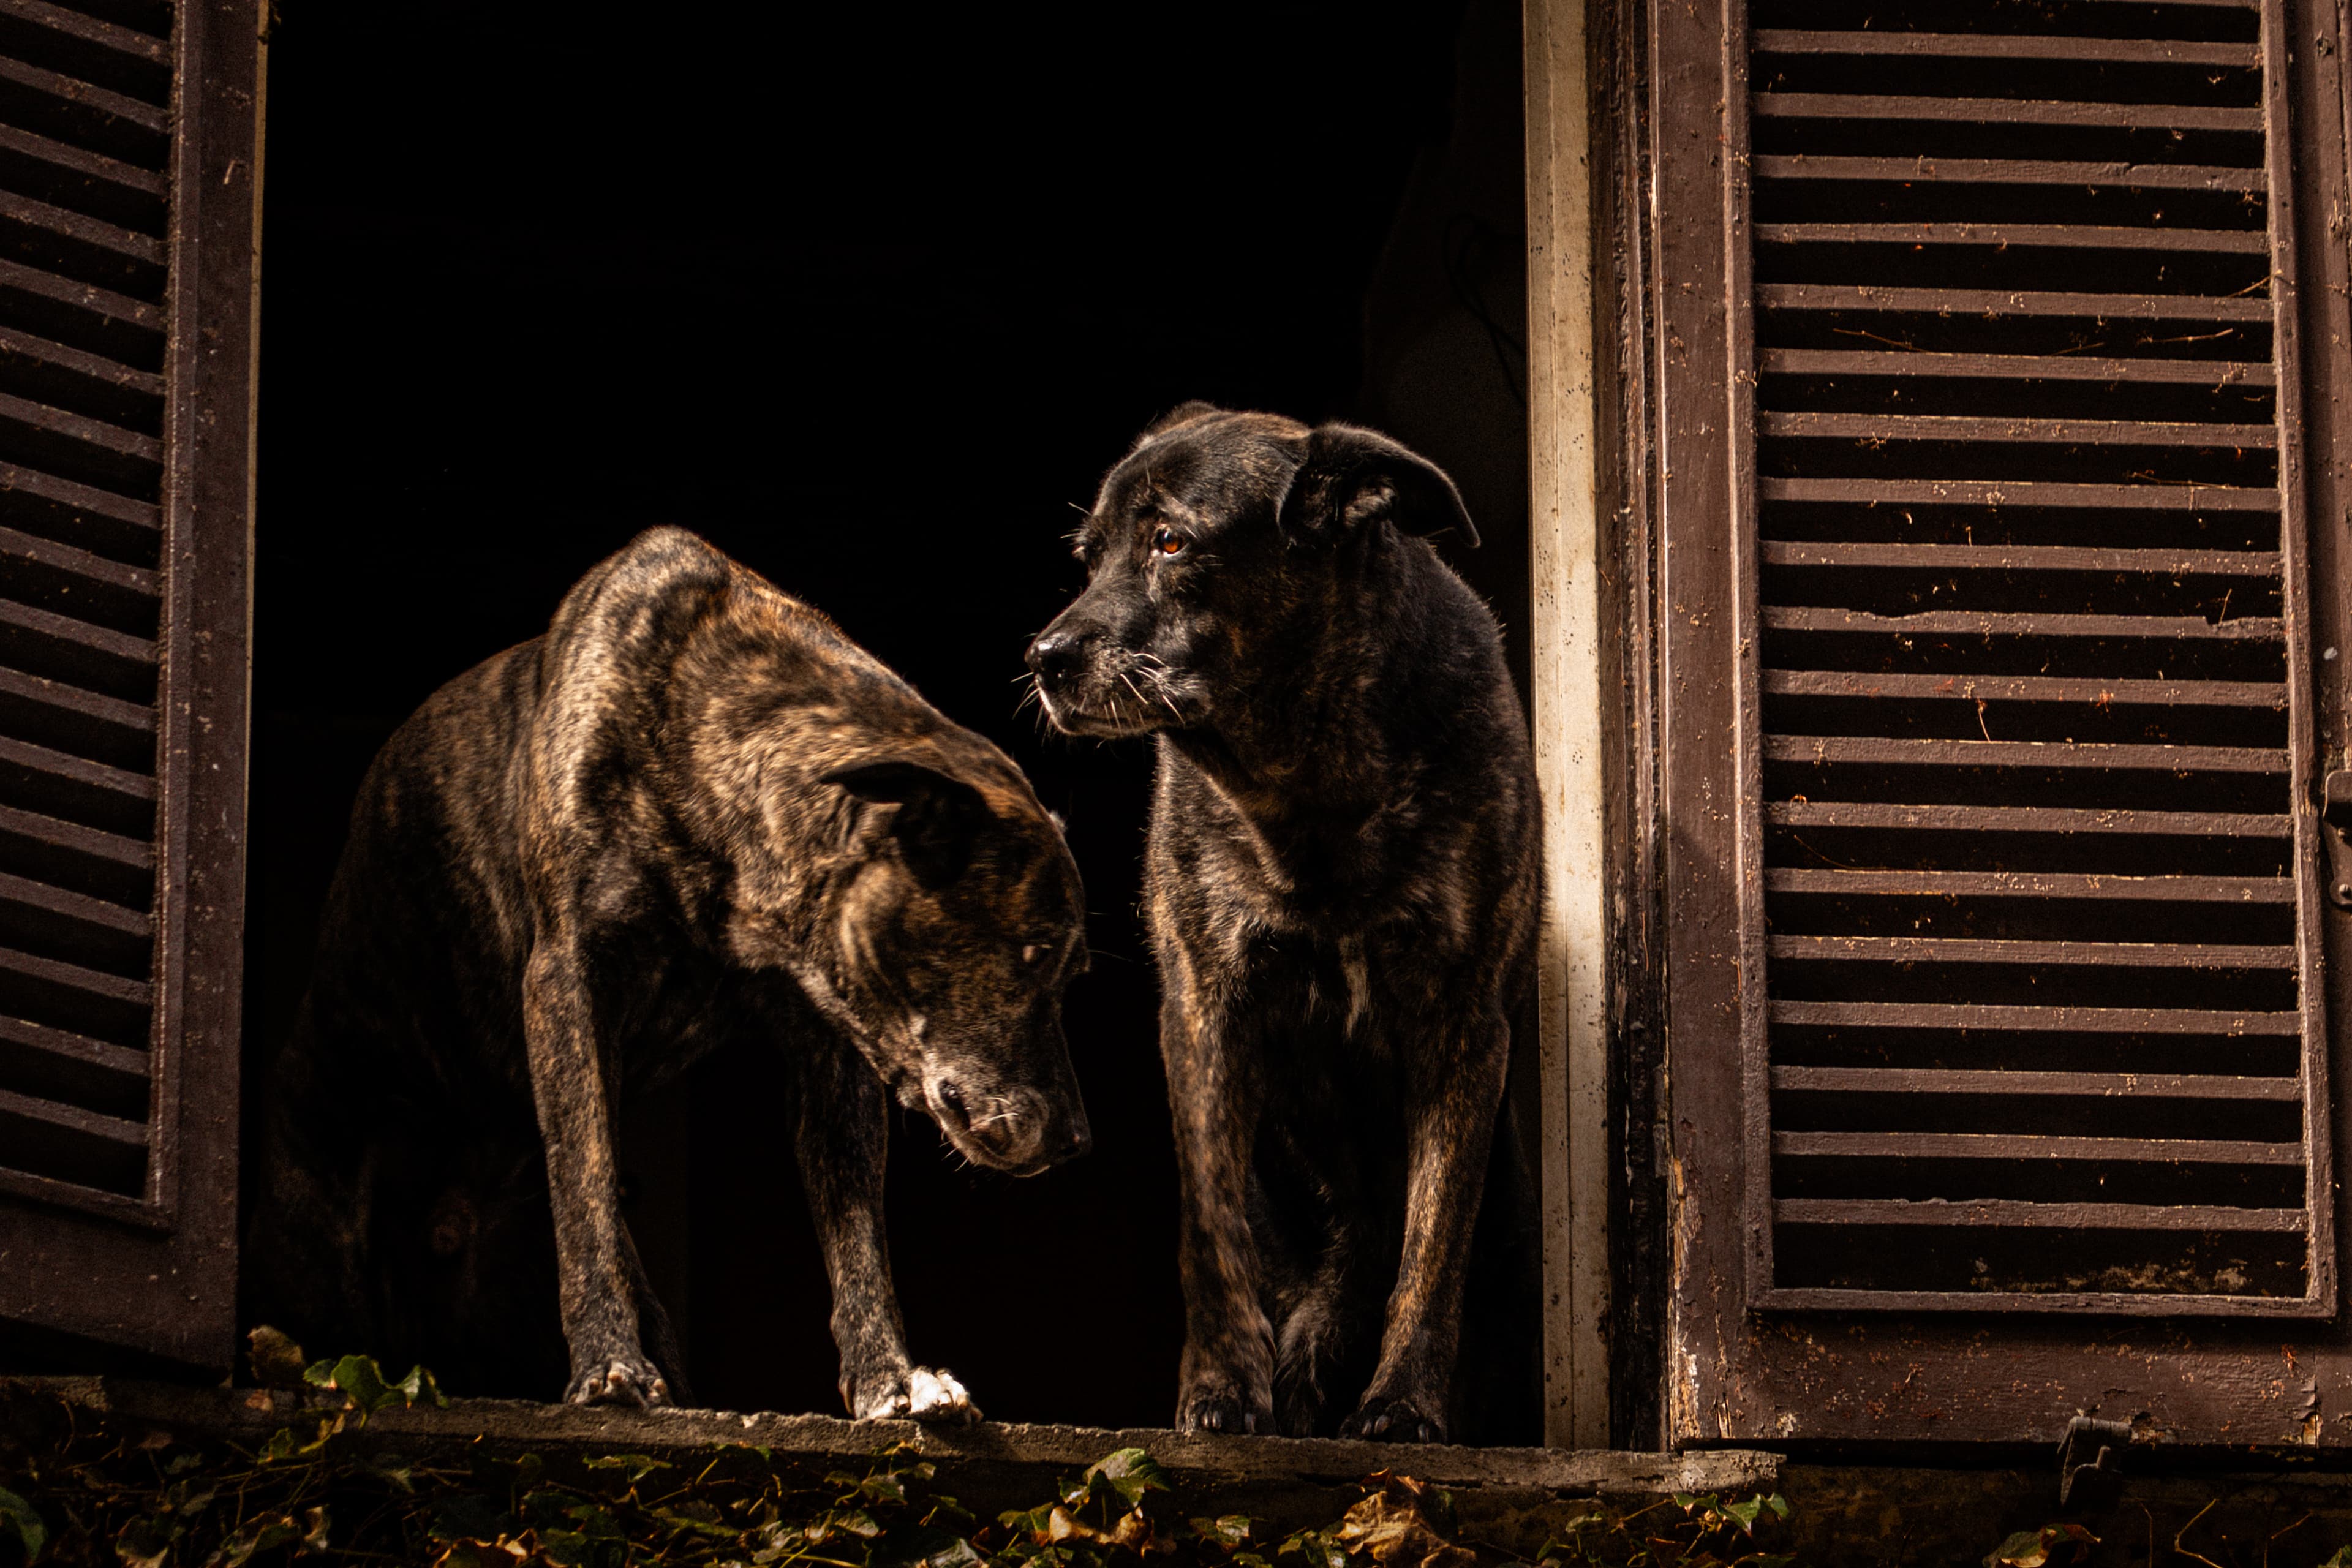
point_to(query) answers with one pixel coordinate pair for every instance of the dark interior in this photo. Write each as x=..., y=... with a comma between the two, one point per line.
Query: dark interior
x=870, y=301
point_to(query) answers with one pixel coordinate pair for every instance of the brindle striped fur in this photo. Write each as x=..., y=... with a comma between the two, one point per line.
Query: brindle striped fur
x=692, y=812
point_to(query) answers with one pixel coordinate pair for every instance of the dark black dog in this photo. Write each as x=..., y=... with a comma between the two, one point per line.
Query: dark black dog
x=692, y=812
x=1341, y=887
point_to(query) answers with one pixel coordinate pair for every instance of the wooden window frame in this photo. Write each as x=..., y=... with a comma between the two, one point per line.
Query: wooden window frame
x=1695, y=1360
x=155, y=1277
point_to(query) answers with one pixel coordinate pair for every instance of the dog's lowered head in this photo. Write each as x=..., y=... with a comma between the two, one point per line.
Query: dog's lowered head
x=944, y=922
x=1215, y=554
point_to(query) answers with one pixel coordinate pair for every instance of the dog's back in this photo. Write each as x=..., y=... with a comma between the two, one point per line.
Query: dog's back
x=402, y=1202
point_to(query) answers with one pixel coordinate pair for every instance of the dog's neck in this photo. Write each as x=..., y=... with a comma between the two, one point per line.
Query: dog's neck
x=1315, y=738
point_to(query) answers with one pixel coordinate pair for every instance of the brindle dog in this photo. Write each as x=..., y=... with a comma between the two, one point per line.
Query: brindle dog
x=1341, y=888
x=692, y=812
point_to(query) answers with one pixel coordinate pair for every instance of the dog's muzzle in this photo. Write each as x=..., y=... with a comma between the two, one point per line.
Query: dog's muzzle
x=1018, y=1131
x=1083, y=697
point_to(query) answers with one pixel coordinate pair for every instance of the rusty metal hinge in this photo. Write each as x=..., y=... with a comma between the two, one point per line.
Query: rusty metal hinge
x=2091, y=1464
x=2336, y=830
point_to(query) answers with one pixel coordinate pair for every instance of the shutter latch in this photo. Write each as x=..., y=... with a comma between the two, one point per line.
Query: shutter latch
x=2091, y=1463
x=2335, y=817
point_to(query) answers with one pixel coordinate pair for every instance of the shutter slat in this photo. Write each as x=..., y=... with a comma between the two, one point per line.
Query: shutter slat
x=2070, y=236
x=2015, y=1146
x=2004, y=112
x=2028, y=819
x=2013, y=171
x=2035, y=1020
x=1996, y=302
x=74, y=977
x=101, y=317
x=1807, y=424
x=2050, y=1216
x=2004, y=46
x=89, y=449
x=2085, y=1085
x=2020, y=624
x=87, y=1124
x=2190, y=497
x=95, y=570
x=2024, y=688
x=76, y=907
x=2215, y=373
x=2020, y=558
x=70, y=1070
x=2021, y=755
x=1956, y=949
x=86, y=168
x=109, y=663
x=2029, y=885
x=76, y=107
x=84, y=47
x=108, y=250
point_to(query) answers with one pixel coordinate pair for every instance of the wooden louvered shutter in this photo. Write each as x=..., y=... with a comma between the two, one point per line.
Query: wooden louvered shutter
x=1990, y=336
x=129, y=188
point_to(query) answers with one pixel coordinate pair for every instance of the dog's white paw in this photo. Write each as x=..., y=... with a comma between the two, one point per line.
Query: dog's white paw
x=938, y=1397
x=630, y=1381
x=923, y=1394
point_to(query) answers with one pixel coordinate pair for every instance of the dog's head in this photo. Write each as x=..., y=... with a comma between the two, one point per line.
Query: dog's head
x=1215, y=552
x=956, y=923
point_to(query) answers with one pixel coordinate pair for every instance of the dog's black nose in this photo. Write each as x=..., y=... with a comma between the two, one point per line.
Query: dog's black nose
x=1056, y=654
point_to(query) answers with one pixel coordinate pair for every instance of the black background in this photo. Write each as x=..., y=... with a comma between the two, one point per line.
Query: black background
x=870, y=300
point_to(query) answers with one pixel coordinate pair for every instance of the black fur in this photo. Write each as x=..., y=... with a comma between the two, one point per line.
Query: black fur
x=1341, y=888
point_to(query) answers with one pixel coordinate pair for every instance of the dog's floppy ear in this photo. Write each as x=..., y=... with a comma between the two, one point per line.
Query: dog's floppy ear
x=938, y=817
x=1353, y=477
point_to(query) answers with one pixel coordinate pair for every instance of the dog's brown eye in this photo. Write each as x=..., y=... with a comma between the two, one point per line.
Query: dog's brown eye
x=1031, y=953
x=1167, y=541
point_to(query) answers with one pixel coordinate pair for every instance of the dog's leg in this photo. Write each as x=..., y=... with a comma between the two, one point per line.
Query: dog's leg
x=1226, y=1381
x=596, y=1296
x=656, y=1332
x=843, y=1142
x=1449, y=1126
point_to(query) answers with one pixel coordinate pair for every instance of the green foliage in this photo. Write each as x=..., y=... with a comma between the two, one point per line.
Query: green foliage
x=2051, y=1546
x=104, y=1497
x=1712, y=1532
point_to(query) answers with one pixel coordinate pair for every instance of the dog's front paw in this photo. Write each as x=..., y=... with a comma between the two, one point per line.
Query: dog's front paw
x=618, y=1380
x=1220, y=1404
x=1393, y=1421
x=919, y=1393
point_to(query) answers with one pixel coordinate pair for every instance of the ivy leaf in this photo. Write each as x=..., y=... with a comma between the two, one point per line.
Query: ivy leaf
x=696, y=1518
x=639, y=1465
x=145, y=1543
x=2052, y=1544
x=1227, y=1530
x=1131, y=1472
x=418, y=1388
x=283, y=1445
x=18, y=1518
x=191, y=1496
x=262, y=1532
x=1744, y=1513
x=275, y=1358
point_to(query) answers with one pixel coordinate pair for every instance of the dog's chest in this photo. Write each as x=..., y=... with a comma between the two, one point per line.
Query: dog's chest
x=679, y=1008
